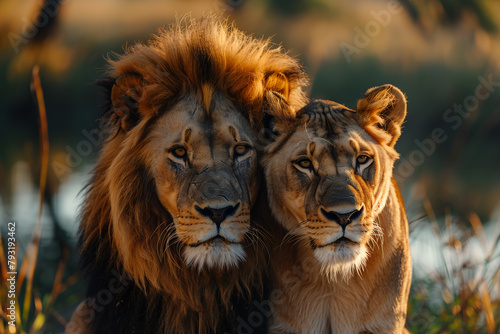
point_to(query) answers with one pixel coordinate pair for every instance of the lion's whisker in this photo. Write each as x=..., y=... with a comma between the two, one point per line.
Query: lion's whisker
x=256, y=239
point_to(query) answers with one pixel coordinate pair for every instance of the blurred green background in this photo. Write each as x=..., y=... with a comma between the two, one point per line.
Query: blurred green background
x=444, y=54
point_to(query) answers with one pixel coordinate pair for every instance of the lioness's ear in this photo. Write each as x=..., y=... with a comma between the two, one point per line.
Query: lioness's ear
x=125, y=95
x=278, y=114
x=384, y=107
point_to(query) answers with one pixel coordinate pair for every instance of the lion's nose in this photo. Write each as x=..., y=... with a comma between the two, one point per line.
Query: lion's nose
x=218, y=215
x=343, y=219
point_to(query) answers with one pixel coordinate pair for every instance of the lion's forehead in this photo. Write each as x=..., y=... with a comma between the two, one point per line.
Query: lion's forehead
x=223, y=123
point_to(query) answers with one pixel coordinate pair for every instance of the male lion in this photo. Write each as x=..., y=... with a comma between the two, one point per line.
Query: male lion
x=344, y=264
x=168, y=235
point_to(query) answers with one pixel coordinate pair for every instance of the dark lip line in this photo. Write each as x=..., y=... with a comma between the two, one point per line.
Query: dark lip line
x=218, y=236
x=343, y=238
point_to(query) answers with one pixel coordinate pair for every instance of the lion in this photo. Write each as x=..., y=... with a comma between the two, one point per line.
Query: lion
x=170, y=235
x=342, y=264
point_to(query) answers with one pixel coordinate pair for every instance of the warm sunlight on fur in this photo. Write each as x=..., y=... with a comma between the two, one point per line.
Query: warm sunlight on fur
x=169, y=204
x=329, y=179
x=219, y=254
x=342, y=261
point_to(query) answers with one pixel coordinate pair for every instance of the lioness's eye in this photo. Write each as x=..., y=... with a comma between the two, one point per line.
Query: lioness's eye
x=362, y=159
x=240, y=149
x=179, y=152
x=305, y=163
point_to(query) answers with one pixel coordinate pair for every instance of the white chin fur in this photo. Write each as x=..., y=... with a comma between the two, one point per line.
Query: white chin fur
x=212, y=255
x=341, y=261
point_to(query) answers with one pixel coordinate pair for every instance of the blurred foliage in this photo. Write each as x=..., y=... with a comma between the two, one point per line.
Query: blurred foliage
x=295, y=7
x=46, y=309
x=451, y=12
x=445, y=12
x=29, y=307
x=463, y=294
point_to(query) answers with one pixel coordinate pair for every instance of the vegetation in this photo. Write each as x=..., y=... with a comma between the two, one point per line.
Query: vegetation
x=462, y=296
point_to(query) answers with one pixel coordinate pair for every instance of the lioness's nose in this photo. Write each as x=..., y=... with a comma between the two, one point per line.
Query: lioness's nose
x=343, y=219
x=218, y=215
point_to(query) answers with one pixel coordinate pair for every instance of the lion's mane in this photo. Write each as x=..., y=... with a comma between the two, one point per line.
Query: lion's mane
x=146, y=288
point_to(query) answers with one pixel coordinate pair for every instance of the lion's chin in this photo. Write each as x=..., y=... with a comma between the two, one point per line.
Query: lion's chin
x=341, y=260
x=214, y=254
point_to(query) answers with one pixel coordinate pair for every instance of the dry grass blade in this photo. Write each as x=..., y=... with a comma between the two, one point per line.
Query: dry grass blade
x=432, y=217
x=60, y=318
x=3, y=264
x=38, y=303
x=32, y=253
x=57, y=285
x=415, y=222
x=39, y=316
x=447, y=295
x=22, y=273
x=488, y=309
x=478, y=229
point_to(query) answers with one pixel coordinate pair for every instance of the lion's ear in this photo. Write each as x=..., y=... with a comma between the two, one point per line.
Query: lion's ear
x=278, y=114
x=383, y=107
x=125, y=95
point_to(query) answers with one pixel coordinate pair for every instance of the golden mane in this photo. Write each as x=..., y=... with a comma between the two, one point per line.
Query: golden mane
x=193, y=57
x=206, y=55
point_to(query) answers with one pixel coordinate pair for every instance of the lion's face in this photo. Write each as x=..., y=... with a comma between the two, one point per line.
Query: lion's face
x=327, y=182
x=205, y=168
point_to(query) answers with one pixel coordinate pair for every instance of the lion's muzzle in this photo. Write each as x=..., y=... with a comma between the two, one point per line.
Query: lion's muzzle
x=218, y=215
x=216, y=187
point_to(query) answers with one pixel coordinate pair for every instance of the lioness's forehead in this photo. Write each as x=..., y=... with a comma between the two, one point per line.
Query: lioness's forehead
x=343, y=141
x=328, y=120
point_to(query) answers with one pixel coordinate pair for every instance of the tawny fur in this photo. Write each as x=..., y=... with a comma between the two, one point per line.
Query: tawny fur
x=125, y=226
x=369, y=293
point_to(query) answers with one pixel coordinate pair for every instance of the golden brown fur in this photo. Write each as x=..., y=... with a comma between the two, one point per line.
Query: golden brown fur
x=182, y=109
x=342, y=261
x=202, y=56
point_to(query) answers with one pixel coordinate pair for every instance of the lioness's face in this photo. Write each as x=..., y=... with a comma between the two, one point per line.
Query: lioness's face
x=326, y=182
x=205, y=169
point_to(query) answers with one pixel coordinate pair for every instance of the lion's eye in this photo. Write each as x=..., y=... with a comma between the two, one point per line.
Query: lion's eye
x=179, y=152
x=240, y=150
x=363, y=159
x=304, y=163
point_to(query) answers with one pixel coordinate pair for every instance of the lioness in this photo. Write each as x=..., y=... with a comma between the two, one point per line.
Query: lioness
x=342, y=264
